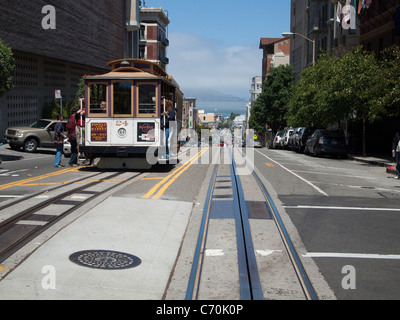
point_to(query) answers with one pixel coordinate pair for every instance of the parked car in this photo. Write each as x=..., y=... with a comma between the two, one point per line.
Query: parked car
x=302, y=137
x=293, y=138
x=327, y=142
x=257, y=140
x=284, y=143
x=277, y=139
x=38, y=134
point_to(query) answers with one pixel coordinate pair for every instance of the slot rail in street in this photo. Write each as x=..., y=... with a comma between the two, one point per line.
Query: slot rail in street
x=249, y=278
x=47, y=208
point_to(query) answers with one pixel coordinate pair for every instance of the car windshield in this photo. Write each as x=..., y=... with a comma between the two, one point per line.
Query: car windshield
x=40, y=124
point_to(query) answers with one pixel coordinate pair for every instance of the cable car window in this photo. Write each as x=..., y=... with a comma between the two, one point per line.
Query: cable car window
x=147, y=99
x=98, y=99
x=122, y=98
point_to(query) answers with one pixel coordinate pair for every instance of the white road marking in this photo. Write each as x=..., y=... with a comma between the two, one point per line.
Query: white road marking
x=296, y=175
x=266, y=252
x=79, y=197
x=334, y=174
x=214, y=252
x=343, y=208
x=351, y=255
x=10, y=196
x=31, y=223
x=6, y=173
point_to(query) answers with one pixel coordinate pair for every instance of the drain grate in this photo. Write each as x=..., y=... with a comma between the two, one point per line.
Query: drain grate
x=105, y=260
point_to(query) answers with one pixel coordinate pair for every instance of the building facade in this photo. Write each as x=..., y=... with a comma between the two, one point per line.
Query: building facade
x=319, y=21
x=190, y=117
x=206, y=119
x=340, y=25
x=255, y=91
x=380, y=25
x=154, y=35
x=55, y=43
x=276, y=52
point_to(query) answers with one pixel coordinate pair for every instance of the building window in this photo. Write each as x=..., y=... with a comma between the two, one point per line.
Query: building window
x=122, y=99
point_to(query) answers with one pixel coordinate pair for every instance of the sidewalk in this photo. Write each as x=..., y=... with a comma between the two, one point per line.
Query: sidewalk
x=377, y=160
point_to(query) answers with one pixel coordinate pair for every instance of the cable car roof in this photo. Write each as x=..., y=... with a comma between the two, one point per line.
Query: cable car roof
x=134, y=69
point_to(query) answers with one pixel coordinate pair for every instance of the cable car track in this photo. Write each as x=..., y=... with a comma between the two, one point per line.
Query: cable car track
x=249, y=279
x=21, y=228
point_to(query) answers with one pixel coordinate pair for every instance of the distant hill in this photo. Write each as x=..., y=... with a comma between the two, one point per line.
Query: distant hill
x=209, y=95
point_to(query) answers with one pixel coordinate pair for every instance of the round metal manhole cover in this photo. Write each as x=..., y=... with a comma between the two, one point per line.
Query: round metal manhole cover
x=105, y=260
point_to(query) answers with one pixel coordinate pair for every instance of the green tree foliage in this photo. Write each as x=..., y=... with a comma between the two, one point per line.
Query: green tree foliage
x=272, y=105
x=7, y=66
x=389, y=84
x=53, y=109
x=339, y=88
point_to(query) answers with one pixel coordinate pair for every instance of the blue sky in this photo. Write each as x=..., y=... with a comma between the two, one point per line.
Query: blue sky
x=214, y=44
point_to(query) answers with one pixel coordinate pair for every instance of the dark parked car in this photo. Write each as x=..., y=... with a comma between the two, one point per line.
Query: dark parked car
x=302, y=137
x=327, y=142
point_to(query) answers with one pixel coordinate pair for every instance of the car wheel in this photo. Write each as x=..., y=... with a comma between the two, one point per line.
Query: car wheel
x=30, y=145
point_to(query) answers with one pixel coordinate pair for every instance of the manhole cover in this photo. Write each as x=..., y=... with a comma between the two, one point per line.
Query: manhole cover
x=106, y=260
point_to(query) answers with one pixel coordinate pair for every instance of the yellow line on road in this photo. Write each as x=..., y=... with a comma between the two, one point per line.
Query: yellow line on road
x=59, y=183
x=23, y=182
x=172, y=177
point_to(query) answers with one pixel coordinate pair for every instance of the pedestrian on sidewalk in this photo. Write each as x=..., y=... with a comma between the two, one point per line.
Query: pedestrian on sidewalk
x=396, y=152
x=71, y=132
x=59, y=137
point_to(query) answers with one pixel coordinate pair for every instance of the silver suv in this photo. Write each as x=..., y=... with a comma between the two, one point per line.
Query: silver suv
x=38, y=134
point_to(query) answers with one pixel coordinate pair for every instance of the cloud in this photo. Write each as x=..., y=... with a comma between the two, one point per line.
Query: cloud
x=199, y=63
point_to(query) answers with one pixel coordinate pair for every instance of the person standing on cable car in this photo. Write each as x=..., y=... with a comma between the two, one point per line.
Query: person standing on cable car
x=169, y=117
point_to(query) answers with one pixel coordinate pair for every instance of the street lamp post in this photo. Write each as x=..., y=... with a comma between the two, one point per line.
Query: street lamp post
x=308, y=39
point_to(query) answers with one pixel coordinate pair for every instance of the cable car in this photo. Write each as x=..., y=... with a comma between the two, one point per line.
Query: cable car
x=124, y=114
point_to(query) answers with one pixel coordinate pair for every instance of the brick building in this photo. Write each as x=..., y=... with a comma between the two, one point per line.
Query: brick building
x=153, y=35
x=276, y=51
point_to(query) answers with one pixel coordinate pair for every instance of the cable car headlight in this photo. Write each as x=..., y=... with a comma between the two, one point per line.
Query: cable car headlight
x=122, y=133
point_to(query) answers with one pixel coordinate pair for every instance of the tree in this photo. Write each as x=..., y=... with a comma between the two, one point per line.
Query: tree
x=273, y=103
x=361, y=84
x=233, y=116
x=389, y=86
x=338, y=88
x=7, y=67
x=316, y=100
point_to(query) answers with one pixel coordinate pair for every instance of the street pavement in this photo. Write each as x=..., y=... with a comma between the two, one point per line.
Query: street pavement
x=153, y=228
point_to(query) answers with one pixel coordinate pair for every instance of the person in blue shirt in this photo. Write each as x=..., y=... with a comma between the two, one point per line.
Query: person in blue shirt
x=170, y=117
x=59, y=137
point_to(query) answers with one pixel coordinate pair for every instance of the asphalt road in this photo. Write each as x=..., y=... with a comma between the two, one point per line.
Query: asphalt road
x=346, y=213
